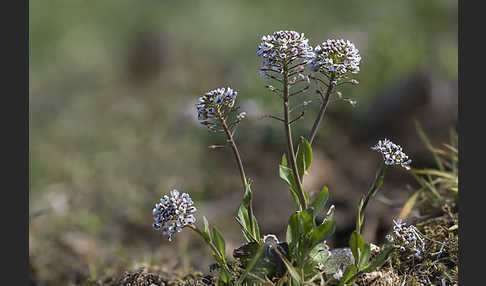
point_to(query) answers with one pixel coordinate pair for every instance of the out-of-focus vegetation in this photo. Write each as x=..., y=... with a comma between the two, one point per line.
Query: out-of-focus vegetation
x=113, y=125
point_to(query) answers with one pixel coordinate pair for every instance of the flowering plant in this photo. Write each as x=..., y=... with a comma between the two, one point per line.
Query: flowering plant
x=292, y=64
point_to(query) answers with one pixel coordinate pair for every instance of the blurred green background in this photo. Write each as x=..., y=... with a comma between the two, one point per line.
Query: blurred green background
x=112, y=88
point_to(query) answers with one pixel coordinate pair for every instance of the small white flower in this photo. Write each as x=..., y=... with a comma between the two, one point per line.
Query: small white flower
x=406, y=238
x=336, y=56
x=392, y=153
x=173, y=213
x=215, y=105
x=280, y=47
x=241, y=116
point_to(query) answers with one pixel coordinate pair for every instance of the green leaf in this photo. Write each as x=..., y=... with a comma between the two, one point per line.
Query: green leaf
x=246, y=233
x=225, y=275
x=243, y=216
x=356, y=243
x=304, y=156
x=348, y=273
x=379, y=260
x=247, y=195
x=379, y=178
x=284, y=160
x=206, y=233
x=292, y=235
x=380, y=175
x=319, y=202
x=360, y=209
x=218, y=241
x=293, y=272
x=287, y=175
x=319, y=254
x=306, y=222
x=364, y=256
x=256, y=233
x=321, y=233
x=244, y=221
x=300, y=224
x=250, y=266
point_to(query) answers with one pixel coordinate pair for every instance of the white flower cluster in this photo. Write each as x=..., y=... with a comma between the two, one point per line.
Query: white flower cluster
x=336, y=56
x=283, y=46
x=407, y=238
x=173, y=213
x=392, y=153
x=241, y=116
x=216, y=104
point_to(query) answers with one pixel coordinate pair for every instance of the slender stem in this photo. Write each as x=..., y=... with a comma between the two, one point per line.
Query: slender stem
x=288, y=134
x=369, y=195
x=210, y=243
x=240, y=168
x=320, y=115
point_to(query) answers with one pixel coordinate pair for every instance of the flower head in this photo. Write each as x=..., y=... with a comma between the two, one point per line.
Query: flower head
x=241, y=116
x=173, y=213
x=392, y=153
x=406, y=238
x=336, y=56
x=280, y=47
x=215, y=106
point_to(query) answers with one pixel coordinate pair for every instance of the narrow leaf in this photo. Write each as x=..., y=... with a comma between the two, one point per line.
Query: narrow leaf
x=304, y=156
x=293, y=272
x=379, y=260
x=348, y=273
x=356, y=243
x=206, y=233
x=364, y=256
x=218, y=241
x=426, y=140
x=380, y=175
x=284, y=160
x=292, y=235
x=319, y=202
x=287, y=175
x=321, y=233
x=408, y=206
x=250, y=266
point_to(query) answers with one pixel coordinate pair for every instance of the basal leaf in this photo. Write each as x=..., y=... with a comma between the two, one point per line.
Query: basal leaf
x=356, y=243
x=348, y=273
x=321, y=233
x=379, y=260
x=218, y=241
x=364, y=256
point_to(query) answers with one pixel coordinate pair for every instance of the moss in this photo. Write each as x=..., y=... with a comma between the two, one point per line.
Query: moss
x=153, y=276
x=438, y=264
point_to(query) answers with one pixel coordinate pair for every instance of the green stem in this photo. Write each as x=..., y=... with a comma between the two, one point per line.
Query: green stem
x=322, y=110
x=288, y=135
x=241, y=169
x=371, y=192
x=210, y=243
x=213, y=247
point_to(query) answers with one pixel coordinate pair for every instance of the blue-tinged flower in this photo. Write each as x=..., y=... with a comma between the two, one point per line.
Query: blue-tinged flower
x=336, y=56
x=173, y=213
x=406, y=238
x=215, y=106
x=283, y=47
x=392, y=153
